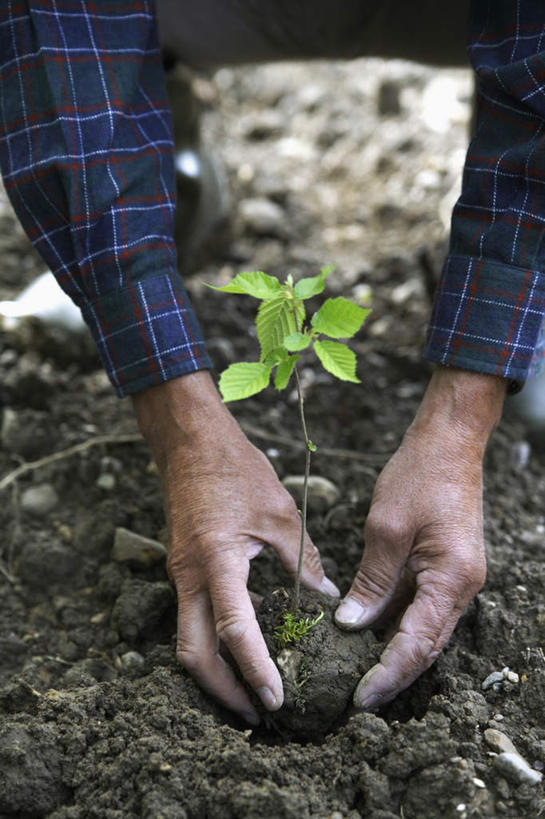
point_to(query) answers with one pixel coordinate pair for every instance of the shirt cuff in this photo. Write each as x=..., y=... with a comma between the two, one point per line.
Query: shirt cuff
x=488, y=317
x=146, y=333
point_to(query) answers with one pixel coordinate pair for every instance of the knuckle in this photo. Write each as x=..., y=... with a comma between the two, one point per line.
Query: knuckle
x=468, y=577
x=423, y=651
x=312, y=556
x=371, y=580
x=470, y=581
x=384, y=529
x=252, y=669
x=179, y=562
x=282, y=504
x=232, y=630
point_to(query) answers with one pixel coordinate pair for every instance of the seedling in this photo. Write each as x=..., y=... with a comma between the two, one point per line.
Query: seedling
x=291, y=629
x=284, y=333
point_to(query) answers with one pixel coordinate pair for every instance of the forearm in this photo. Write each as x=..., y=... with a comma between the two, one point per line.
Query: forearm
x=86, y=152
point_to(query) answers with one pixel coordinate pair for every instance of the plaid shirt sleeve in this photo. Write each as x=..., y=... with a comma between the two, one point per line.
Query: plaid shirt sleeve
x=490, y=304
x=86, y=153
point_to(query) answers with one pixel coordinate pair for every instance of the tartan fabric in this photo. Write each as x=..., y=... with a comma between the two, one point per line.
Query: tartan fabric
x=488, y=312
x=86, y=152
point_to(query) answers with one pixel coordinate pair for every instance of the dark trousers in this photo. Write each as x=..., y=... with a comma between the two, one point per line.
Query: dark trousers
x=210, y=33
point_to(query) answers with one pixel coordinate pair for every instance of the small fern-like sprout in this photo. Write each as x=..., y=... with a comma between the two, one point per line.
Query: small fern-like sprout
x=293, y=629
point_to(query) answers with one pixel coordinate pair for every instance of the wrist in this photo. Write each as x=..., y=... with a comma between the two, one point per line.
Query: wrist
x=179, y=411
x=462, y=403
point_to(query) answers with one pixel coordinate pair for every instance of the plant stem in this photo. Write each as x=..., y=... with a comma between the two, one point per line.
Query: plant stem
x=301, y=403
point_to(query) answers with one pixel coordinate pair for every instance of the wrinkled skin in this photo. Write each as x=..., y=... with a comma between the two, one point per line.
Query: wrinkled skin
x=224, y=503
x=424, y=532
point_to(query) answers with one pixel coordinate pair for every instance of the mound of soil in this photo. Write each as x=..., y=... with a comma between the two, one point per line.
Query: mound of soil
x=320, y=671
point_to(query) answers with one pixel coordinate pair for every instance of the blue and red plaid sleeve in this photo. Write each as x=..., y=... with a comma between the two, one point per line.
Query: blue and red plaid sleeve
x=490, y=304
x=86, y=152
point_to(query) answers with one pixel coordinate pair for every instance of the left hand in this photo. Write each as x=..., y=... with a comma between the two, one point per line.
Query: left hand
x=425, y=519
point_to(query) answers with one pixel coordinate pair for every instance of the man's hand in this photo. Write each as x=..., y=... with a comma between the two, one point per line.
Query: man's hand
x=223, y=503
x=425, y=520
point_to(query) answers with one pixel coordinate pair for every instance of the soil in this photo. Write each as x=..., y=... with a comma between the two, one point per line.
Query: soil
x=320, y=671
x=96, y=717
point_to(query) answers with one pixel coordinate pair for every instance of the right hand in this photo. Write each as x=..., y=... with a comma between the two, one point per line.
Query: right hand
x=223, y=503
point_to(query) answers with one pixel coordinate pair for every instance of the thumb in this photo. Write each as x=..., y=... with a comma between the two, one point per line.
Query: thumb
x=379, y=574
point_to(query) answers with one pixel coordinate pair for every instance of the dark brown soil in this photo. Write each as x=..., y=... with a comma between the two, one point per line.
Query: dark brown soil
x=320, y=671
x=97, y=720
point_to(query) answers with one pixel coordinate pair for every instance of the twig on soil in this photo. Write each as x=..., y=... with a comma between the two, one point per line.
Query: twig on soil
x=378, y=458
x=6, y=574
x=56, y=659
x=17, y=534
x=99, y=440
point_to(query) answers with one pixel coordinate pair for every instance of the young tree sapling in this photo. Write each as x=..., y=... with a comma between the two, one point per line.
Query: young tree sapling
x=284, y=333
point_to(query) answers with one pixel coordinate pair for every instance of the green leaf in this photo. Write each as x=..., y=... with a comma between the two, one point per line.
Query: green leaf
x=284, y=371
x=339, y=318
x=337, y=359
x=296, y=342
x=313, y=285
x=274, y=322
x=257, y=284
x=275, y=357
x=243, y=380
x=312, y=447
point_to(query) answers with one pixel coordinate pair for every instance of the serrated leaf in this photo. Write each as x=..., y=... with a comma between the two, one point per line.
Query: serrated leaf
x=296, y=342
x=275, y=357
x=284, y=371
x=257, y=284
x=339, y=318
x=313, y=285
x=243, y=380
x=274, y=322
x=337, y=359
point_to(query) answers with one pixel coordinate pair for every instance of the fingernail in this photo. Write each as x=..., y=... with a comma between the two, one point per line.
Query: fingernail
x=366, y=696
x=350, y=613
x=252, y=717
x=268, y=699
x=328, y=587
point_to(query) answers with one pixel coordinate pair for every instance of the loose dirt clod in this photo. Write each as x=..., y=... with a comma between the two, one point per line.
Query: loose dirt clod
x=320, y=671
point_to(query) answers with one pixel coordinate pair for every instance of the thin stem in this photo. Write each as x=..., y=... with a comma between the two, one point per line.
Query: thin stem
x=300, y=403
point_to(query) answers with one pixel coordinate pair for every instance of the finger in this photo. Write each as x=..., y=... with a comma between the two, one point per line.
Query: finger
x=312, y=576
x=424, y=629
x=197, y=651
x=403, y=596
x=256, y=599
x=378, y=576
x=237, y=627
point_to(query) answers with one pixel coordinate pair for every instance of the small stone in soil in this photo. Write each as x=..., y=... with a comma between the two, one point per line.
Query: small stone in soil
x=39, y=500
x=515, y=768
x=499, y=741
x=132, y=662
x=322, y=493
x=106, y=482
x=132, y=548
x=492, y=679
